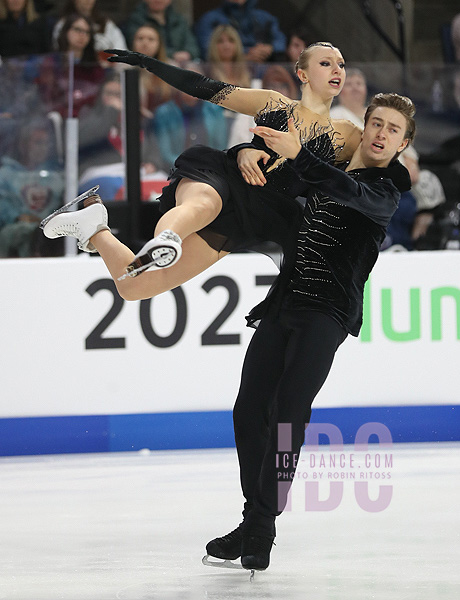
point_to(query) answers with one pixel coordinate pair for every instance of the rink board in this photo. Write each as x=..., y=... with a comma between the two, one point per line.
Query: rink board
x=84, y=371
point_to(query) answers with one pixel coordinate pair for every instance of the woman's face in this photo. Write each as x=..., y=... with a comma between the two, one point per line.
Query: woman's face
x=157, y=5
x=295, y=47
x=38, y=147
x=226, y=47
x=146, y=41
x=354, y=91
x=78, y=35
x=84, y=7
x=325, y=71
x=111, y=94
x=15, y=6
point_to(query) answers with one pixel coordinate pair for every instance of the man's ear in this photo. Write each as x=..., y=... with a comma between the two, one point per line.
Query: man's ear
x=404, y=145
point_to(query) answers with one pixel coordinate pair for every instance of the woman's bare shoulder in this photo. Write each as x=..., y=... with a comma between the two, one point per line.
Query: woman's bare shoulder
x=346, y=127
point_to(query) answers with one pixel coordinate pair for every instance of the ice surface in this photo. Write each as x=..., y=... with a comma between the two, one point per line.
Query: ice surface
x=134, y=526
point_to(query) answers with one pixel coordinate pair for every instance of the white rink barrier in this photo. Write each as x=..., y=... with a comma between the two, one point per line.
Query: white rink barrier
x=84, y=371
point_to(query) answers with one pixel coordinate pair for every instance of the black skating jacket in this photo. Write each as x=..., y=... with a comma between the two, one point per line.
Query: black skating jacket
x=343, y=225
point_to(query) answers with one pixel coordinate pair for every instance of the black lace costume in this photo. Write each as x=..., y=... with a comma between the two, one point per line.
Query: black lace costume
x=253, y=214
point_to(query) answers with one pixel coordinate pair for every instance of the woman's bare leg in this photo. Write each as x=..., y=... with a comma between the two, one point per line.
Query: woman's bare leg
x=197, y=256
x=197, y=205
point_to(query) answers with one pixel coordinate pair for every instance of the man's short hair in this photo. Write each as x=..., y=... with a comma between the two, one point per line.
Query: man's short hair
x=402, y=104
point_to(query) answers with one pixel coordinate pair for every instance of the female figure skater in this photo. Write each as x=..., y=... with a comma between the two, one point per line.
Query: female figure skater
x=209, y=208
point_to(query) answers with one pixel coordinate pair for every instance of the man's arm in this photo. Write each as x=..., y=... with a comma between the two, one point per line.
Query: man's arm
x=377, y=200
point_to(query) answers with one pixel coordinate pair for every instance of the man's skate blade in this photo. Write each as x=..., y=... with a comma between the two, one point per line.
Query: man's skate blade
x=210, y=561
x=87, y=194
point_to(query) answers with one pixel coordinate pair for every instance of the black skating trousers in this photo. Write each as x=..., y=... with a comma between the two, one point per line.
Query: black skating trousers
x=286, y=364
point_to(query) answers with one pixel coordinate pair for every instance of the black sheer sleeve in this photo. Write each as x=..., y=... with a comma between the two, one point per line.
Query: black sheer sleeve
x=191, y=83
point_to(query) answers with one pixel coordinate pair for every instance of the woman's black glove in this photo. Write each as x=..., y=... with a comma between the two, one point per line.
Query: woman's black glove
x=127, y=57
x=184, y=80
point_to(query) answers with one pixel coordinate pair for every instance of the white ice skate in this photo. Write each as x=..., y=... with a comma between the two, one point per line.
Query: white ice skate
x=162, y=251
x=210, y=561
x=81, y=223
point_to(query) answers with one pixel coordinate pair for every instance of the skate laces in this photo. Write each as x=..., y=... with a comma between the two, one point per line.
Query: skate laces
x=67, y=229
x=233, y=536
x=169, y=236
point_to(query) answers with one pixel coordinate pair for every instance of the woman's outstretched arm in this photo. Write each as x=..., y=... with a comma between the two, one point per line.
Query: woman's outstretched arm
x=243, y=100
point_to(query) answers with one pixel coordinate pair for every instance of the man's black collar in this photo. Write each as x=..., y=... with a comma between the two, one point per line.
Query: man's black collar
x=395, y=171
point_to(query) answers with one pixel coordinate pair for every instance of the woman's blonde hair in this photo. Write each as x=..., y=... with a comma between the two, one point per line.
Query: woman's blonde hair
x=29, y=8
x=241, y=74
x=158, y=90
x=302, y=62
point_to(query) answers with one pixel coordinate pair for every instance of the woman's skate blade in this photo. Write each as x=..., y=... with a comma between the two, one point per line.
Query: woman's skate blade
x=150, y=262
x=132, y=272
x=80, y=198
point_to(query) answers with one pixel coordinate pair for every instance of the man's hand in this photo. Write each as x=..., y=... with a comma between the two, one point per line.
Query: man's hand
x=284, y=143
x=247, y=160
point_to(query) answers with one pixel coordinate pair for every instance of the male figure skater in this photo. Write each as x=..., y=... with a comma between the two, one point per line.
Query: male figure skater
x=312, y=307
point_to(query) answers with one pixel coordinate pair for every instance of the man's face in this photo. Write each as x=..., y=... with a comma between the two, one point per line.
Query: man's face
x=383, y=137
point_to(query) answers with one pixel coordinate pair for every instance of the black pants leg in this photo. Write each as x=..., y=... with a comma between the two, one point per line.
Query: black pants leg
x=286, y=365
x=262, y=369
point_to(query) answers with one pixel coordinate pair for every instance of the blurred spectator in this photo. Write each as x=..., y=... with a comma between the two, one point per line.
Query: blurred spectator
x=106, y=33
x=22, y=31
x=18, y=98
x=31, y=186
x=226, y=62
x=180, y=41
x=76, y=36
x=448, y=153
x=278, y=78
x=55, y=79
x=455, y=33
x=186, y=121
x=298, y=40
x=225, y=58
x=444, y=161
x=352, y=100
x=153, y=90
x=100, y=143
x=260, y=33
x=416, y=225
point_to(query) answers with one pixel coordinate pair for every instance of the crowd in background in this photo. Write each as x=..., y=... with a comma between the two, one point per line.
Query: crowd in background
x=54, y=66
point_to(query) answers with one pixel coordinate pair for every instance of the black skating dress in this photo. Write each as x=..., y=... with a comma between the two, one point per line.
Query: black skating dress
x=250, y=214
